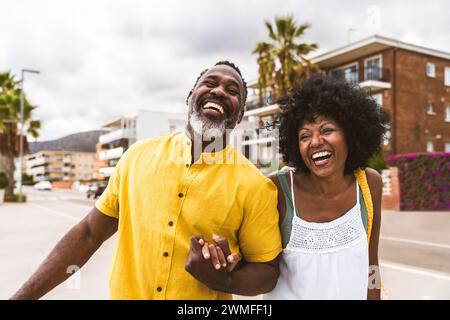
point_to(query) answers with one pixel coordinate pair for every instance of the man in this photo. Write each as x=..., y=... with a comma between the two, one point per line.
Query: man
x=167, y=197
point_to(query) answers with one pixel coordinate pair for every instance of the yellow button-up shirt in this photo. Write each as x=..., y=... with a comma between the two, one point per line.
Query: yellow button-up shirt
x=161, y=200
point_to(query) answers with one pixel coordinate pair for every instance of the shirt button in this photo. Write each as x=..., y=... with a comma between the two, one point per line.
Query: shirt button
x=159, y=289
x=187, y=165
x=170, y=223
x=180, y=195
x=165, y=254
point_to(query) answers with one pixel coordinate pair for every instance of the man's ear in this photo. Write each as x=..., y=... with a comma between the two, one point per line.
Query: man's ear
x=188, y=97
x=241, y=114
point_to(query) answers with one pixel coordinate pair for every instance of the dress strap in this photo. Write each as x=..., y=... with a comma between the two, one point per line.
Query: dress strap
x=357, y=192
x=292, y=191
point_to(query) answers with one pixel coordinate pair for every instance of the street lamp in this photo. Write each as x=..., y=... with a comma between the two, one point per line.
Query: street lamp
x=21, y=128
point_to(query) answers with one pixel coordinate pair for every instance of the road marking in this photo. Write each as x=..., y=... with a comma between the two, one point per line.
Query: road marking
x=422, y=272
x=56, y=212
x=422, y=243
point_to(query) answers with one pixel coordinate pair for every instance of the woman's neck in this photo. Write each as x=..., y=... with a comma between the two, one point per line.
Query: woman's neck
x=329, y=186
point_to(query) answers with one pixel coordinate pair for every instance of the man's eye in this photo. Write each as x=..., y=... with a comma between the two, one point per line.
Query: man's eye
x=209, y=84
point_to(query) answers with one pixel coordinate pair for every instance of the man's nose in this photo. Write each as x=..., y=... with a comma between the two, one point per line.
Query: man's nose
x=218, y=91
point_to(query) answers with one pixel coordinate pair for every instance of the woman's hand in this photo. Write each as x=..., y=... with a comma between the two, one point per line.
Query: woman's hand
x=219, y=253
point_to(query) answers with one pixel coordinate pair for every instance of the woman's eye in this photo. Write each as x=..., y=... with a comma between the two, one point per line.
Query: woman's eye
x=328, y=130
x=303, y=137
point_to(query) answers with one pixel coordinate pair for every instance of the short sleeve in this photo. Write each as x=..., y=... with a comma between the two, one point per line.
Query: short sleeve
x=108, y=203
x=259, y=234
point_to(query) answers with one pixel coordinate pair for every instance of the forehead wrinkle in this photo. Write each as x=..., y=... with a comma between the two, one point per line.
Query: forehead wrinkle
x=228, y=79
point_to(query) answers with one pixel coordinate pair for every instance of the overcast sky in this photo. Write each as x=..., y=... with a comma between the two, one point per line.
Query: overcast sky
x=102, y=59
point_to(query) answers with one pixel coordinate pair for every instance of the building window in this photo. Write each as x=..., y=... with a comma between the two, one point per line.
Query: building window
x=431, y=70
x=372, y=70
x=430, y=108
x=348, y=73
x=447, y=147
x=447, y=76
x=430, y=147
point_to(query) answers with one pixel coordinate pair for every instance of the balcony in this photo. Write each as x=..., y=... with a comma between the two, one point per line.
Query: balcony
x=345, y=75
x=117, y=135
x=257, y=136
x=376, y=79
x=37, y=170
x=111, y=154
x=263, y=111
x=36, y=162
x=106, y=171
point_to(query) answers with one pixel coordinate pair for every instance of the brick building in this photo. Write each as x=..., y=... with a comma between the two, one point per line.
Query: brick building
x=411, y=82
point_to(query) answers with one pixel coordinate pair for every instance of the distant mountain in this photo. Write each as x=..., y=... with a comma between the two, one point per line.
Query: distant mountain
x=82, y=142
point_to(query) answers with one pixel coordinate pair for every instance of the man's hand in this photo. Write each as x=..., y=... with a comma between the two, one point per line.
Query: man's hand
x=203, y=270
x=220, y=253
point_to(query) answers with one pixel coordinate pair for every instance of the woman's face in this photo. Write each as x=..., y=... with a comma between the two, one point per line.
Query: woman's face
x=322, y=146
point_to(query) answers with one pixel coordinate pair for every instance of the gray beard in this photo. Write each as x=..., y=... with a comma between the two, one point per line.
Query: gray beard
x=207, y=129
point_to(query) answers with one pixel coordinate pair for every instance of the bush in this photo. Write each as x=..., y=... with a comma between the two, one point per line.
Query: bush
x=3, y=180
x=378, y=161
x=424, y=180
x=27, y=180
x=16, y=197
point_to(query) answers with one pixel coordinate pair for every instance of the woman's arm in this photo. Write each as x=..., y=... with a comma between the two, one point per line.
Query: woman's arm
x=375, y=185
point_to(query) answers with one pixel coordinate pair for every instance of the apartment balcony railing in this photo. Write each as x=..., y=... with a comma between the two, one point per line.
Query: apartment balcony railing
x=342, y=75
x=111, y=153
x=377, y=74
x=129, y=133
x=106, y=171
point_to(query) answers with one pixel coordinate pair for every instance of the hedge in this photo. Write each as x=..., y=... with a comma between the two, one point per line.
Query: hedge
x=424, y=180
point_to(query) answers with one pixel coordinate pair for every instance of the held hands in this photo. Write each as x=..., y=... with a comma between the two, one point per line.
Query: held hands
x=207, y=263
x=219, y=253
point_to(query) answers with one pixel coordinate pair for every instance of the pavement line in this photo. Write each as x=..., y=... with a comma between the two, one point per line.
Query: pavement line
x=422, y=272
x=422, y=243
x=55, y=212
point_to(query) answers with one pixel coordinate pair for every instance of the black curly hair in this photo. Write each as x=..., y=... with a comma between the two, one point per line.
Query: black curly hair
x=363, y=121
x=235, y=67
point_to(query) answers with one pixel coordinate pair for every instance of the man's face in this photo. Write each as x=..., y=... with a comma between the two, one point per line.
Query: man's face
x=215, y=103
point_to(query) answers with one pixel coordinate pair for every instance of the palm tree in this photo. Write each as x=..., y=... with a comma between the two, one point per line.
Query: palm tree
x=10, y=91
x=284, y=53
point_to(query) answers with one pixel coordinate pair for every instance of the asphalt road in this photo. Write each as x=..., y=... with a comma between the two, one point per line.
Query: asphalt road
x=414, y=248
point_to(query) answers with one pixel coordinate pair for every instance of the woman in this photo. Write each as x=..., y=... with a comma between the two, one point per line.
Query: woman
x=329, y=220
x=329, y=206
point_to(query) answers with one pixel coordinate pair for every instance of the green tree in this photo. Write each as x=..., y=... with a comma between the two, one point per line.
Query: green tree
x=378, y=161
x=282, y=61
x=10, y=91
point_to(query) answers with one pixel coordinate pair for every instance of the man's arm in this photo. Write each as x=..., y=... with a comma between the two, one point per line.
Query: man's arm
x=74, y=249
x=249, y=279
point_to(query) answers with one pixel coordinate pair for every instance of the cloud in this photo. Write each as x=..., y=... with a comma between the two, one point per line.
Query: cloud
x=101, y=59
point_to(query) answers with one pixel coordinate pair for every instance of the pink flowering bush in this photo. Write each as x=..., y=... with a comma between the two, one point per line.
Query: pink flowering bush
x=424, y=180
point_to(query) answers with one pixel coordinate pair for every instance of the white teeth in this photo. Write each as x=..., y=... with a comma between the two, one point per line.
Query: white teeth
x=213, y=105
x=320, y=154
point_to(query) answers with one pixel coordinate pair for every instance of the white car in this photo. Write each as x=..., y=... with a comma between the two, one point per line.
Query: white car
x=43, y=185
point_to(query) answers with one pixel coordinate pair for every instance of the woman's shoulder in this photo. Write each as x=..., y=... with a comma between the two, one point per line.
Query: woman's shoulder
x=373, y=178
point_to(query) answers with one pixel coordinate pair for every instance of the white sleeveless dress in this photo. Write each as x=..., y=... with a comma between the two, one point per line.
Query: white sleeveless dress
x=325, y=260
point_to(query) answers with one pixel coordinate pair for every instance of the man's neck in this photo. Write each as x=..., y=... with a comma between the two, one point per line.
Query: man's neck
x=200, y=145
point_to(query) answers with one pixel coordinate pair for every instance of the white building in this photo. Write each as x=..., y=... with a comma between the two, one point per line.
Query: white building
x=125, y=131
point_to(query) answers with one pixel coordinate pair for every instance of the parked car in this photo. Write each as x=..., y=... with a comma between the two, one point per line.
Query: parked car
x=43, y=185
x=95, y=190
